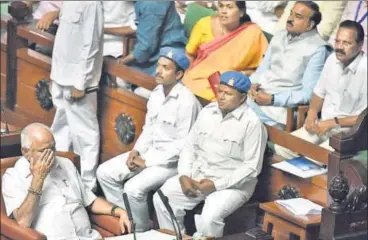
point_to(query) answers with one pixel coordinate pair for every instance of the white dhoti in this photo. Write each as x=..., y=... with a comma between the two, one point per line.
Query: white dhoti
x=75, y=123
x=115, y=178
x=218, y=205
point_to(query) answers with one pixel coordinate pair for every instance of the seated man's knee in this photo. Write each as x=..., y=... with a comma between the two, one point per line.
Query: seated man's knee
x=134, y=191
x=102, y=172
x=210, y=223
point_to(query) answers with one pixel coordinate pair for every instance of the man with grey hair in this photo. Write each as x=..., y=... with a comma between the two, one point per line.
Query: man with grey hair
x=46, y=191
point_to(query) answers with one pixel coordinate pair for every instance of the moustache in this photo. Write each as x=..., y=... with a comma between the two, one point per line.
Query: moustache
x=340, y=51
x=291, y=23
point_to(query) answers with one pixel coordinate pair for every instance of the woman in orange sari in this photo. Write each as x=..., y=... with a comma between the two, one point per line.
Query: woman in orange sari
x=224, y=42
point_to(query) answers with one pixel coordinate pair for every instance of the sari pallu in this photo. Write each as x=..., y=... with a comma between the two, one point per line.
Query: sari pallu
x=242, y=49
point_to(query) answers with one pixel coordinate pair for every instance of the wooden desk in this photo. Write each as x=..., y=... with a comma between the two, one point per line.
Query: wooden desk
x=285, y=225
x=10, y=142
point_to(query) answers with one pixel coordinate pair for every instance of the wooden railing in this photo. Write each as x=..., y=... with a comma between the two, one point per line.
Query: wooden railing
x=26, y=70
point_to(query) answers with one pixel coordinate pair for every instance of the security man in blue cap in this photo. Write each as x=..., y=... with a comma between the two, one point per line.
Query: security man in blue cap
x=171, y=111
x=220, y=161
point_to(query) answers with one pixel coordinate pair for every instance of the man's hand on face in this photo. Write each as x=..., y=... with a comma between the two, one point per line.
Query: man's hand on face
x=188, y=186
x=206, y=186
x=40, y=167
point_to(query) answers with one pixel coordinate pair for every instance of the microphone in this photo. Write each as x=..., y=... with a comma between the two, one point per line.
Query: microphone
x=6, y=131
x=130, y=216
x=165, y=201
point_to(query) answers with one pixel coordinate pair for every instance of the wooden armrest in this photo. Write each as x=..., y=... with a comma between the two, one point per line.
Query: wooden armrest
x=300, y=118
x=33, y=34
x=301, y=113
x=12, y=230
x=108, y=223
x=111, y=66
x=128, y=44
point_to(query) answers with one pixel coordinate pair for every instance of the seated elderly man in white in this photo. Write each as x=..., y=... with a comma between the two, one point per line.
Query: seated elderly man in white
x=341, y=92
x=46, y=192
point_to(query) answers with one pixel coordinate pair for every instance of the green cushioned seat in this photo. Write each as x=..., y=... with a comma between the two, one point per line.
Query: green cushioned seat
x=193, y=14
x=362, y=157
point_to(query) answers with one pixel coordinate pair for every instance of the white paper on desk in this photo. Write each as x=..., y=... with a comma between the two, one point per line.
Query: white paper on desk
x=150, y=235
x=300, y=206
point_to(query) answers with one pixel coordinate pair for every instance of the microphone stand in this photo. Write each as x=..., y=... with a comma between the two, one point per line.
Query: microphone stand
x=130, y=216
x=165, y=201
x=6, y=122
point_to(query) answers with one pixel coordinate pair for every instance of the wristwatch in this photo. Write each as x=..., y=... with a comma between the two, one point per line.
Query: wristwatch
x=113, y=210
x=272, y=99
x=337, y=122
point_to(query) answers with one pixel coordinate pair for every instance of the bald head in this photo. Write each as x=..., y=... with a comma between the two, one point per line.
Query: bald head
x=36, y=135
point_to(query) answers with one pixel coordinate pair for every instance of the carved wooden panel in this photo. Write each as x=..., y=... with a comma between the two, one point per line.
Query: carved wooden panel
x=113, y=103
x=27, y=104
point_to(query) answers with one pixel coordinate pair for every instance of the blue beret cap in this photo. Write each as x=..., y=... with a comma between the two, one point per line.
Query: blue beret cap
x=236, y=80
x=176, y=55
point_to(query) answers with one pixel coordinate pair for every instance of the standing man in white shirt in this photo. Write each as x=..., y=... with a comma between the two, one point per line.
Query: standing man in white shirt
x=119, y=17
x=220, y=161
x=119, y=21
x=265, y=13
x=171, y=111
x=75, y=74
x=341, y=92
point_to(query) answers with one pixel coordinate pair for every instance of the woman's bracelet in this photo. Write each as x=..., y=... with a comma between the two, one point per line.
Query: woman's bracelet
x=35, y=192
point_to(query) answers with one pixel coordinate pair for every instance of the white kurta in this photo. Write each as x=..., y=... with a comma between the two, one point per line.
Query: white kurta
x=77, y=62
x=344, y=92
x=229, y=151
x=116, y=14
x=168, y=121
x=61, y=212
x=263, y=13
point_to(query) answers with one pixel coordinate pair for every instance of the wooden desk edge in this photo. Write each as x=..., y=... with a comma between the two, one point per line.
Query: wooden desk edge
x=280, y=211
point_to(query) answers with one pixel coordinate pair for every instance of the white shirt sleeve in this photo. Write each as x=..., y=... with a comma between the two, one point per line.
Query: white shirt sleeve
x=91, y=32
x=88, y=197
x=14, y=192
x=188, y=155
x=322, y=83
x=269, y=6
x=144, y=140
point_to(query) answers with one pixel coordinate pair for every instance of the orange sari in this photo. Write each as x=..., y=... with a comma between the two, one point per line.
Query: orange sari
x=242, y=49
